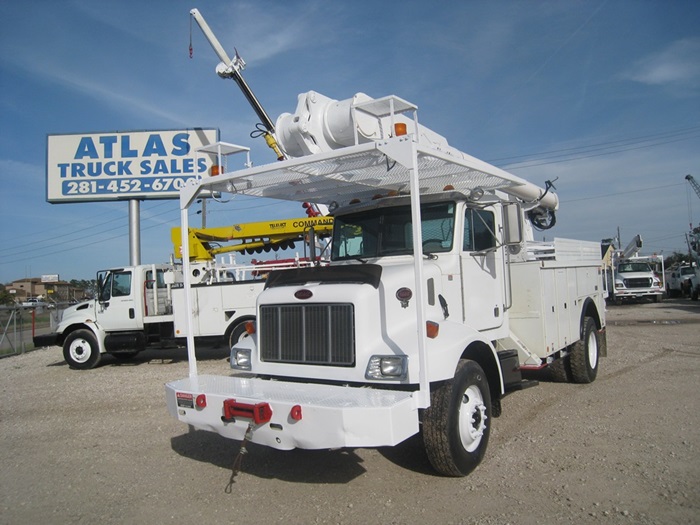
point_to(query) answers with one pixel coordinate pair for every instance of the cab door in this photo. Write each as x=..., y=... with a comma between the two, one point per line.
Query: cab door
x=481, y=261
x=117, y=307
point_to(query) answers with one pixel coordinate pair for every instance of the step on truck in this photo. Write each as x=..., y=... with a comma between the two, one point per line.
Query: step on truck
x=435, y=302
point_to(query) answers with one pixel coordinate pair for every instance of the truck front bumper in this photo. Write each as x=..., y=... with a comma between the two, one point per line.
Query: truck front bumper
x=631, y=293
x=308, y=416
x=45, y=340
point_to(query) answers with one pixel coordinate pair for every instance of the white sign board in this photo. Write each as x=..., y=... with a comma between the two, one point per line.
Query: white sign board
x=49, y=278
x=125, y=165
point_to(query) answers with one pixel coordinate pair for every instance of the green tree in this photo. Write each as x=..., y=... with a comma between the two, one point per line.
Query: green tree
x=6, y=298
x=676, y=258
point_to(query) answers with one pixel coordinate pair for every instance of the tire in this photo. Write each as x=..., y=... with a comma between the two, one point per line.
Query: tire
x=235, y=333
x=559, y=370
x=456, y=426
x=80, y=350
x=694, y=294
x=585, y=354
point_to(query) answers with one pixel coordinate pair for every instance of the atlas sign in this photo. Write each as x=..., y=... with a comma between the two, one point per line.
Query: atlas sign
x=125, y=165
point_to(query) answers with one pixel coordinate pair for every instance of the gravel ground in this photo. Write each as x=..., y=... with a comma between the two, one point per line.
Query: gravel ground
x=98, y=446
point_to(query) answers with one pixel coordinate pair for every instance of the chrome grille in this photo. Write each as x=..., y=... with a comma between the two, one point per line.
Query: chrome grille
x=638, y=282
x=315, y=334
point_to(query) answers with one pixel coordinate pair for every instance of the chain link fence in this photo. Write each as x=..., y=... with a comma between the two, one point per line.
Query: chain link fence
x=18, y=326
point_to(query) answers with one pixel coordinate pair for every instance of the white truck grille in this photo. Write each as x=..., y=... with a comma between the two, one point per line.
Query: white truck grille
x=315, y=334
x=638, y=282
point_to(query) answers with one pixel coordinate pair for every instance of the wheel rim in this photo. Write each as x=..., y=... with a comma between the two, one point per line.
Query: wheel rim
x=592, y=350
x=80, y=350
x=472, y=418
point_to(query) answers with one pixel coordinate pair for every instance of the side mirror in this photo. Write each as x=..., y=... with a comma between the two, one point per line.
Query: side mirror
x=513, y=223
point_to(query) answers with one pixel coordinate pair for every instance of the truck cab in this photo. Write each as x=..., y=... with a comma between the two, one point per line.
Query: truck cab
x=636, y=279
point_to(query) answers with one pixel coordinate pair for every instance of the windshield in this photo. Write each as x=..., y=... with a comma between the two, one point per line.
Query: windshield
x=634, y=267
x=388, y=231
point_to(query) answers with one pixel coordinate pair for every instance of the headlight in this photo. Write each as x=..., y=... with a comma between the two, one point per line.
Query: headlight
x=619, y=284
x=240, y=358
x=387, y=367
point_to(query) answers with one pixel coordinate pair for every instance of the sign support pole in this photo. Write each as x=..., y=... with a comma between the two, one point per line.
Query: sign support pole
x=134, y=232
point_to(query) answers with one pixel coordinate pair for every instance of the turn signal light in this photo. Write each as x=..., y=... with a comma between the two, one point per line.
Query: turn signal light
x=432, y=329
x=250, y=327
x=215, y=170
x=399, y=129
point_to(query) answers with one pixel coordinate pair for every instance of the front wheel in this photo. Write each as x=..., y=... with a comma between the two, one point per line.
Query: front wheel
x=80, y=350
x=585, y=353
x=457, y=423
x=235, y=333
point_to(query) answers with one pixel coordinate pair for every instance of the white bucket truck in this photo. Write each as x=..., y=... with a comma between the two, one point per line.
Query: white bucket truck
x=143, y=306
x=434, y=302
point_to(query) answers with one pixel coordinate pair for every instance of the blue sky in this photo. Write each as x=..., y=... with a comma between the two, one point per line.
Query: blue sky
x=604, y=95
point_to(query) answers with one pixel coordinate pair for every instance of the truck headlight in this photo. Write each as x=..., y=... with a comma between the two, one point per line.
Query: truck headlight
x=240, y=358
x=387, y=367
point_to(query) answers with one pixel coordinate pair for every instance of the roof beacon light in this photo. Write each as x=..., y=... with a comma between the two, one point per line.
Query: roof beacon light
x=400, y=129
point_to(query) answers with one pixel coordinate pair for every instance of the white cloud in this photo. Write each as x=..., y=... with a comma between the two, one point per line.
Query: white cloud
x=677, y=66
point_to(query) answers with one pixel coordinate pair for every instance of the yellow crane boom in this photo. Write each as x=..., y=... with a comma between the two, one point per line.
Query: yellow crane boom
x=251, y=237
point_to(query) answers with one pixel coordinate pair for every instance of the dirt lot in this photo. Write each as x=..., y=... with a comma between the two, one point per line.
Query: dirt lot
x=99, y=447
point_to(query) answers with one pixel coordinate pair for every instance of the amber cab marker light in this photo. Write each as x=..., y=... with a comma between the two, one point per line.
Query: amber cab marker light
x=250, y=327
x=432, y=329
x=215, y=170
x=399, y=129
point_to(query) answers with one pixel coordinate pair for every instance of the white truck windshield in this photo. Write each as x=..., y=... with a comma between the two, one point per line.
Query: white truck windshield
x=388, y=231
x=633, y=267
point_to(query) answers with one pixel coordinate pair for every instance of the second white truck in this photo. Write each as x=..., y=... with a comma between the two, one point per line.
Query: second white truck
x=143, y=306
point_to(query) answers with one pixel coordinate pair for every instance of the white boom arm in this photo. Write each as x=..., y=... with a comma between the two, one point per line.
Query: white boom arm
x=232, y=69
x=211, y=37
x=633, y=247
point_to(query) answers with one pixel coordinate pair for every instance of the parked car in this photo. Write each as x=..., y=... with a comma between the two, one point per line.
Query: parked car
x=34, y=302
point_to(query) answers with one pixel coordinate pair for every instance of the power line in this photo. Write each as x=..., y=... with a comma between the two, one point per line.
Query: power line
x=47, y=244
x=603, y=145
x=626, y=192
x=618, y=150
x=71, y=248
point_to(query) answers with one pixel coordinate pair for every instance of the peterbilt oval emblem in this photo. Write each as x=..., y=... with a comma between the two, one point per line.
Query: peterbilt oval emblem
x=303, y=294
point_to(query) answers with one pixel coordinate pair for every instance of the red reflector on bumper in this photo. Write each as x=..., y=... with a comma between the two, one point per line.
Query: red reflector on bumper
x=295, y=413
x=259, y=412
